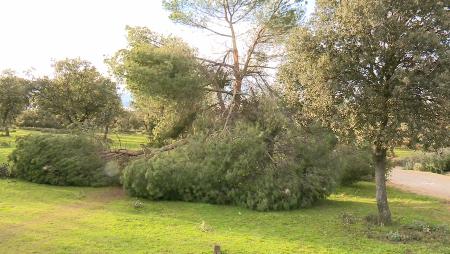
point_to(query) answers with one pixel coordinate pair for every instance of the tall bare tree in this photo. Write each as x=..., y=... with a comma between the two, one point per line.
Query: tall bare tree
x=252, y=30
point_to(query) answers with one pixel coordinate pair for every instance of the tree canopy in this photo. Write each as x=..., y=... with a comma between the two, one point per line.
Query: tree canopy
x=78, y=93
x=162, y=67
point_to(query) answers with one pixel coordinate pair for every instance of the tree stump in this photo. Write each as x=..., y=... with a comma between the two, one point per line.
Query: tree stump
x=217, y=249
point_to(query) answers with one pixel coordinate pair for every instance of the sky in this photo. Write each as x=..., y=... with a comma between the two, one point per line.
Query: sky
x=35, y=33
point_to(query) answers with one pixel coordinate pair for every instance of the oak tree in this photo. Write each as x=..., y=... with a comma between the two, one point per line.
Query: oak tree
x=375, y=71
x=78, y=93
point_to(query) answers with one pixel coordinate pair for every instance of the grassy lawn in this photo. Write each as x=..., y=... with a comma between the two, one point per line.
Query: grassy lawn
x=127, y=141
x=47, y=219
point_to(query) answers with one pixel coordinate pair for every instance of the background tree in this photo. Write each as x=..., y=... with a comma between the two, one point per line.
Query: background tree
x=111, y=110
x=130, y=120
x=375, y=71
x=38, y=118
x=78, y=93
x=251, y=30
x=14, y=98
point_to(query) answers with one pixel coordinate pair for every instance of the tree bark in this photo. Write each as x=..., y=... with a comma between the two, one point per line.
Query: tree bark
x=217, y=249
x=236, y=65
x=6, y=131
x=105, y=134
x=384, y=212
x=5, y=123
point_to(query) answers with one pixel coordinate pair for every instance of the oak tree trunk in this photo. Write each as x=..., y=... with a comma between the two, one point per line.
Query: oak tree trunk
x=6, y=131
x=105, y=133
x=5, y=122
x=384, y=212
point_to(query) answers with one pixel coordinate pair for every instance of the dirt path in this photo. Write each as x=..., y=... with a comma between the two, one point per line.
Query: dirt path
x=419, y=182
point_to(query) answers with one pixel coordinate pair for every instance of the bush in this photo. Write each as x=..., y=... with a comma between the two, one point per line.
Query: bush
x=438, y=162
x=353, y=164
x=242, y=167
x=66, y=160
x=4, y=144
x=38, y=119
x=4, y=171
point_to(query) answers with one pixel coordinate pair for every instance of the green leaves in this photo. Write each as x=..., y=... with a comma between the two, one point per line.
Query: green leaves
x=78, y=93
x=163, y=68
x=167, y=81
x=60, y=160
x=14, y=97
x=245, y=167
x=369, y=68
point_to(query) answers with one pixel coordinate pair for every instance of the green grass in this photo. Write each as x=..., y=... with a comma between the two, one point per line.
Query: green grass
x=404, y=152
x=47, y=219
x=7, y=144
x=128, y=141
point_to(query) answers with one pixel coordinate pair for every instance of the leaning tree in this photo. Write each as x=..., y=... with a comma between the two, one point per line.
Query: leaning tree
x=375, y=71
x=168, y=83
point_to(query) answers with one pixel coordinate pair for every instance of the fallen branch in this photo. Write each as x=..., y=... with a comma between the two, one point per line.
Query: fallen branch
x=145, y=152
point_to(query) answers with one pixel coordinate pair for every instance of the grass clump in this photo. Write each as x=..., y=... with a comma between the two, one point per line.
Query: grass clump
x=416, y=231
x=420, y=231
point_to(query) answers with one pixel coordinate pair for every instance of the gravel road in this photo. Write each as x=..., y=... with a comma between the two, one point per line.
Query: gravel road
x=425, y=183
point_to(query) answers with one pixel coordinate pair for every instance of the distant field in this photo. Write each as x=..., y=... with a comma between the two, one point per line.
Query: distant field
x=128, y=141
x=403, y=152
x=120, y=141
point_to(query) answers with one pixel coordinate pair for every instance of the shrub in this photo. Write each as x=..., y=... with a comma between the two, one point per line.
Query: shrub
x=438, y=162
x=60, y=160
x=348, y=218
x=4, y=144
x=354, y=164
x=242, y=167
x=394, y=236
x=38, y=119
x=4, y=171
